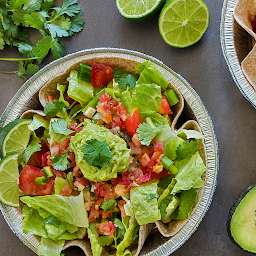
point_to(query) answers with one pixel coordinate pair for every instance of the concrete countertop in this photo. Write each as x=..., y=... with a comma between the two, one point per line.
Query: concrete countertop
x=204, y=67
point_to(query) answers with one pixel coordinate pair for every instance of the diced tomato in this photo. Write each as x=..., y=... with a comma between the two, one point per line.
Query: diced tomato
x=36, y=158
x=105, y=97
x=58, y=173
x=59, y=148
x=106, y=228
x=120, y=205
x=27, y=182
x=159, y=146
x=94, y=214
x=101, y=75
x=145, y=177
x=105, y=110
x=162, y=174
x=156, y=155
x=122, y=112
x=107, y=214
x=66, y=191
x=144, y=159
x=165, y=107
x=77, y=172
x=116, y=180
x=136, y=140
x=74, y=127
x=133, y=121
x=126, y=177
x=44, y=159
x=82, y=180
x=104, y=190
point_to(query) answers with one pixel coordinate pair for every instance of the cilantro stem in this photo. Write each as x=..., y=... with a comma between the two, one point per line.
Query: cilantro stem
x=18, y=59
x=8, y=72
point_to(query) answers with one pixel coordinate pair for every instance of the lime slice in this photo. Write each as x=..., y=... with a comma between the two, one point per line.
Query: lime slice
x=9, y=176
x=182, y=23
x=139, y=10
x=15, y=136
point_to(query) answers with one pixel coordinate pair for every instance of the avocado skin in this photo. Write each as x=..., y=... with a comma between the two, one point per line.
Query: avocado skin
x=232, y=210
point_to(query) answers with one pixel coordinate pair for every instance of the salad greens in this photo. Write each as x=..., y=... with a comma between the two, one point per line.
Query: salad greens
x=111, y=164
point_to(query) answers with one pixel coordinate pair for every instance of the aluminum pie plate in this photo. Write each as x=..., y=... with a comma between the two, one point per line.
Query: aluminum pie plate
x=155, y=244
x=236, y=44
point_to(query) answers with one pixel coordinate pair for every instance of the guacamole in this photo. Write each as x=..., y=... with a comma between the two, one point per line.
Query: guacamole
x=116, y=145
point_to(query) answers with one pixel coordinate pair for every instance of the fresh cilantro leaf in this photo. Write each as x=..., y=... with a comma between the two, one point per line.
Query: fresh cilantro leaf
x=25, y=49
x=63, y=22
x=60, y=126
x=42, y=47
x=34, y=145
x=47, y=6
x=17, y=4
x=60, y=162
x=151, y=196
x=52, y=109
x=17, y=16
x=108, y=205
x=31, y=69
x=77, y=23
x=105, y=241
x=56, y=30
x=32, y=6
x=58, y=50
x=124, y=79
x=69, y=8
x=96, y=153
x=120, y=225
x=35, y=20
x=146, y=133
x=2, y=42
x=186, y=149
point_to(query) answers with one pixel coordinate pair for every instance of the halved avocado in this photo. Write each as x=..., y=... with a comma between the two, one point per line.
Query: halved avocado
x=241, y=222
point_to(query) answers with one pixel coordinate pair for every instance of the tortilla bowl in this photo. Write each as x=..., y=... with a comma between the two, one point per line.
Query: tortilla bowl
x=193, y=109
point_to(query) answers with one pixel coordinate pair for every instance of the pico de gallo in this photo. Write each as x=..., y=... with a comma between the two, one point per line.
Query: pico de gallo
x=103, y=160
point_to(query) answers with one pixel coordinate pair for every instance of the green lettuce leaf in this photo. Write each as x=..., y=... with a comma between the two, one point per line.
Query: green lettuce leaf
x=48, y=247
x=150, y=74
x=78, y=89
x=38, y=121
x=148, y=96
x=189, y=175
x=187, y=200
x=121, y=249
x=66, y=209
x=94, y=240
x=145, y=210
x=190, y=134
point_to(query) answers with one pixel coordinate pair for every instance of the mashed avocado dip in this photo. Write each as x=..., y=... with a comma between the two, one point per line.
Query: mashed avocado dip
x=116, y=145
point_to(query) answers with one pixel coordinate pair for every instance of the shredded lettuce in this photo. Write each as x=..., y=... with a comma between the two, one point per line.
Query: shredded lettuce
x=48, y=247
x=94, y=240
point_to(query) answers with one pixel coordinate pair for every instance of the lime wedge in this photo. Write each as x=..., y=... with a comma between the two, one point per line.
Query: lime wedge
x=9, y=176
x=15, y=136
x=182, y=23
x=139, y=10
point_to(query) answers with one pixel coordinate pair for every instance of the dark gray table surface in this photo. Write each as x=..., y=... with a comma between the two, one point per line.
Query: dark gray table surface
x=204, y=67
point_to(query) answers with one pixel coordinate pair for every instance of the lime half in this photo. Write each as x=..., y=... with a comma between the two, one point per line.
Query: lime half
x=15, y=136
x=139, y=10
x=182, y=23
x=9, y=176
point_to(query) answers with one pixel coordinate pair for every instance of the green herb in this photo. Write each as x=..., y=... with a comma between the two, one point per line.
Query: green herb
x=43, y=15
x=51, y=109
x=125, y=79
x=120, y=225
x=105, y=241
x=60, y=162
x=186, y=149
x=107, y=205
x=146, y=133
x=135, y=233
x=96, y=153
x=34, y=145
x=60, y=126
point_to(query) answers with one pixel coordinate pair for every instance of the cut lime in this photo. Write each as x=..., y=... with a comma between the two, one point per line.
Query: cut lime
x=139, y=10
x=182, y=23
x=15, y=136
x=9, y=176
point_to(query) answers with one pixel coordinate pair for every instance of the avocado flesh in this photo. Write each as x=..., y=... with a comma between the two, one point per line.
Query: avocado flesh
x=243, y=222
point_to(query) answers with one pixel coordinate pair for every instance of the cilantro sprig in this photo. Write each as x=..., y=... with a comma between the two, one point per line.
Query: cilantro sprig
x=125, y=79
x=60, y=162
x=96, y=153
x=52, y=22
